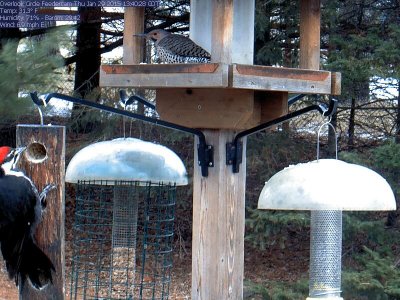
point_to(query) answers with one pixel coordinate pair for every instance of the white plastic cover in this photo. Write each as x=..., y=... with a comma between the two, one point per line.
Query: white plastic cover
x=127, y=159
x=327, y=184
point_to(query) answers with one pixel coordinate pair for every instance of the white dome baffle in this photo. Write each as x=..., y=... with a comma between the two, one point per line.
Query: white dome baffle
x=327, y=184
x=326, y=187
x=124, y=219
x=126, y=159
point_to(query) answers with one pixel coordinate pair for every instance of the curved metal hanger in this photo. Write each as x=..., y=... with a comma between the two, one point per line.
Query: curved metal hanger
x=205, y=152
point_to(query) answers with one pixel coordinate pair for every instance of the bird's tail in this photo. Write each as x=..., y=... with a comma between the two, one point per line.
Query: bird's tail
x=24, y=260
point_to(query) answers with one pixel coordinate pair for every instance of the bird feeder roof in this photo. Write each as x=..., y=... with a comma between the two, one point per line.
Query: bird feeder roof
x=327, y=184
x=127, y=159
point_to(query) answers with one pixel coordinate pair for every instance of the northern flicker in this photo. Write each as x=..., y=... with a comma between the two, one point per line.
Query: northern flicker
x=175, y=48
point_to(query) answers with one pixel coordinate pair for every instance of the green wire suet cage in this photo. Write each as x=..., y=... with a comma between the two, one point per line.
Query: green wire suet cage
x=124, y=219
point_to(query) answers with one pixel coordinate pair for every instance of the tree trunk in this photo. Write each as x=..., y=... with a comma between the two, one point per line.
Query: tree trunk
x=350, y=141
x=87, y=66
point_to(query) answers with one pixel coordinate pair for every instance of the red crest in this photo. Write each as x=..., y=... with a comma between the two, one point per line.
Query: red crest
x=4, y=151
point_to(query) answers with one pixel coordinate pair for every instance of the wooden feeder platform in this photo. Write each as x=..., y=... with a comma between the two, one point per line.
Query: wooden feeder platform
x=219, y=75
x=219, y=95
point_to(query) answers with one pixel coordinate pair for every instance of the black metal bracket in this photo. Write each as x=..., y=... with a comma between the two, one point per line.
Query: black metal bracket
x=205, y=152
x=125, y=100
x=205, y=155
x=234, y=153
x=234, y=150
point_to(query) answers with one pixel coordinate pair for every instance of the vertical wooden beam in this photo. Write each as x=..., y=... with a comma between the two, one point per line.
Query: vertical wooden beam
x=219, y=199
x=310, y=24
x=222, y=31
x=133, y=46
x=50, y=232
x=215, y=25
x=218, y=225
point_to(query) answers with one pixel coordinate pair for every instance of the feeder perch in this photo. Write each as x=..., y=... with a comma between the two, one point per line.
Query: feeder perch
x=124, y=219
x=326, y=187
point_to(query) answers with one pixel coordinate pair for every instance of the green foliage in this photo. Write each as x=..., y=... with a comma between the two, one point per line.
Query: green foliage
x=378, y=279
x=359, y=228
x=267, y=228
x=280, y=290
x=387, y=160
x=387, y=156
x=384, y=159
x=26, y=66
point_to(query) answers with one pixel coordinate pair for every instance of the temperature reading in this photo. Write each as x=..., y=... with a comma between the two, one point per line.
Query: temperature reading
x=39, y=14
x=26, y=10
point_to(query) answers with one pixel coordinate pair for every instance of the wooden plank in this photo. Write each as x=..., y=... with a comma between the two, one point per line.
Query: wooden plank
x=218, y=225
x=273, y=105
x=147, y=77
x=289, y=73
x=281, y=79
x=310, y=24
x=336, y=83
x=50, y=232
x=133, y=24
x=206, y=108
x=160, y=68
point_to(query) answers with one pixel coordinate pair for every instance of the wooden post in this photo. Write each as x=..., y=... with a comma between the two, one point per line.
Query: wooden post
x=219, y=199
x=50, y=232
x=133, y=24
x=310, y=15
x=218, y=225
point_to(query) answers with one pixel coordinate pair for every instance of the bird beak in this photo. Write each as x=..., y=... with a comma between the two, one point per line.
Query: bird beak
x=19, y=150
x=143, y=35
x=17, y=154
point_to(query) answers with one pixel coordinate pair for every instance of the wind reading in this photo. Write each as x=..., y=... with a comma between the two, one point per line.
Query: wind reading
x=40, y=14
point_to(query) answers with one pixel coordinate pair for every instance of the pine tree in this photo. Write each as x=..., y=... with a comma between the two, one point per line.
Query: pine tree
x=27, y=65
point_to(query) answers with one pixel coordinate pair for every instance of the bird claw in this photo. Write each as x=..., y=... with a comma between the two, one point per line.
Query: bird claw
x=44, y=192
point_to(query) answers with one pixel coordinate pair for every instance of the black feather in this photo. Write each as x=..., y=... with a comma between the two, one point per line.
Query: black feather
x=20, y=211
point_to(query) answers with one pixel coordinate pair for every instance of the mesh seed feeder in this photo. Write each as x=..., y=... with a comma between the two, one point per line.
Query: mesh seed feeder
x=326, y=187
x=124, y=219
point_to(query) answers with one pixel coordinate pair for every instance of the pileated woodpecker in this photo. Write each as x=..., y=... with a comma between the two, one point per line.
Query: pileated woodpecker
x=21, y=208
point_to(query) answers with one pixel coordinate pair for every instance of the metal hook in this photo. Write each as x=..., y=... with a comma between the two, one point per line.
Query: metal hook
x=41, y=115
x=124, y=122
x=39, y=102
x=329, y=124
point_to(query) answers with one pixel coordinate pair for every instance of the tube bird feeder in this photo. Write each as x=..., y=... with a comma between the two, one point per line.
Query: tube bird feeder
x=326, y=187
x=124, y=219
